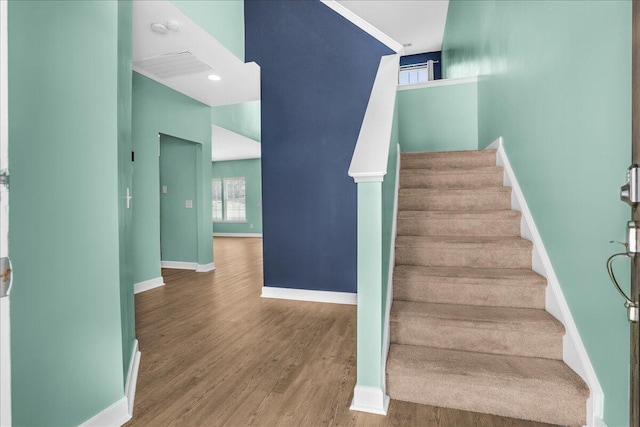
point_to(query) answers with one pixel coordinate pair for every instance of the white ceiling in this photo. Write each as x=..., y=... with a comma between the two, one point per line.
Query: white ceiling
x=227, y=145
x=240, y=82
x=419, y=22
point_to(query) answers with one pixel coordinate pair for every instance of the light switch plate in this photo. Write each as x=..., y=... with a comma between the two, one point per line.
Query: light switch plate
x=164, y=189
x=188, y=204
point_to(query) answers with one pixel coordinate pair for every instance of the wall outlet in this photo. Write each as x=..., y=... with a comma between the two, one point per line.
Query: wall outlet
x=250, y=225
x=164, y=189
x=188, y=204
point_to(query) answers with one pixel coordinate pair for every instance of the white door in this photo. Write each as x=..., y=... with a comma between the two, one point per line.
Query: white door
x=5, y=270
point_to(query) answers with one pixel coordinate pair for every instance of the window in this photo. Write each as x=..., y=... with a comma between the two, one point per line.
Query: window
x=216, y=199
x=228, y=199
x=416, y=73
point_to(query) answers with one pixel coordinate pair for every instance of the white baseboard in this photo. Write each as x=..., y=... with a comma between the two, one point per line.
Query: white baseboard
x=181, y=265
x=237, y=234
x=369, y=399
x=148, y=284
x=310, y=295
x=115, y=415
x=203, y=268
x=120, y=412
x=574, y=353
x=386, y=342
x=132, y=377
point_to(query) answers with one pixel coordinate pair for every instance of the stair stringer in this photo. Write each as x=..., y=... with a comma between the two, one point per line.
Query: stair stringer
x=574, y=354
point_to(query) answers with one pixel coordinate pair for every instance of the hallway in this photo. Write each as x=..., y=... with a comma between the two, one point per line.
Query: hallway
x=215, y=353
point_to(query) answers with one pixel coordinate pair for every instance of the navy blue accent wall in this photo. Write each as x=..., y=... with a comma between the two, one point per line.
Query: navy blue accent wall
x=422, y=58
x=317, y=74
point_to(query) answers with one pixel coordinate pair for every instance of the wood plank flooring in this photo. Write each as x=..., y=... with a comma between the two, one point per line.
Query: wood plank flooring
x=216, y=354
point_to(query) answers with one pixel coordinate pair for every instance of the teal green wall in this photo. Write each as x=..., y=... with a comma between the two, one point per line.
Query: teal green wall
x=566, y=121
x=223, y=19
x=125, y=171
x=250, y=169
x=178, y=224
x=158, y=109
x=66, y=334
x=388, y=199
x=440, y=118
x=243, y=118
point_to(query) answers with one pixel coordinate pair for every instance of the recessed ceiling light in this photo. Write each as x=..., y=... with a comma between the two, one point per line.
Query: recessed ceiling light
x=214, y=77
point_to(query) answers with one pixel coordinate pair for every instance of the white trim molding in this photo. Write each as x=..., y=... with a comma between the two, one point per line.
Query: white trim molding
x=148, y=284
x=132, y=377
x=237, y=234
x=386, y=342
x=114, y=415
x=369, y=399
x=364, y=26
x=310, y=295
x=371, y=154
x=181, y=265
x=5, y=363
x=122, y=410
x=440, y=82
x=574, y=353
x=204, y=268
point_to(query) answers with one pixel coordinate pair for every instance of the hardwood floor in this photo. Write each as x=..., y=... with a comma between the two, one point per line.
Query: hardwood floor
x=214, y=353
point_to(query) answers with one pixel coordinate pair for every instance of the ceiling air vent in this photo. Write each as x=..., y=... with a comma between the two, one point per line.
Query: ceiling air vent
x=172, y=65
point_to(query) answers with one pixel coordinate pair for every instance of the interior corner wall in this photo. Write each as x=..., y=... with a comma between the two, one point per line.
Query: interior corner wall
x=565, y=117
x=251, y=170
x=66, y=335
x=439, y=118
x=223, y=19
x=125, y=173
x=158, y=109
x=242, y=118
x=317, y=73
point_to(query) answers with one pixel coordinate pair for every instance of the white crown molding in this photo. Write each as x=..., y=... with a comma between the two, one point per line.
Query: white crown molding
x=365, y=26
x=369, y=399
x=310, y=295
x=114, y=415
x=386, y=342
x=237, y=234
x=437, y=83
x=147, y=285
x=204, y=268
x=574, y=353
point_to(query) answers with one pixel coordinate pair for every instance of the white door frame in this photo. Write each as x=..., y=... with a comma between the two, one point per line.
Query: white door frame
x=5, y=353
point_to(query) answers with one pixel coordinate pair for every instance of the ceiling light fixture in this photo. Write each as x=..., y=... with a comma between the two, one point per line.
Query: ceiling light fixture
x=165, y=27
x=214, y=77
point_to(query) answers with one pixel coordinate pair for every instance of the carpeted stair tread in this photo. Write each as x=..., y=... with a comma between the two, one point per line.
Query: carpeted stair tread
x=452, y=170
x=451, y=178
x=498, y=330
x=473, y=158
x=465, y=223
x=477, y=317
x=472, y=276
x=468, y=242
x=454, y=199
x=494, y=287
x=504, y=214
x=471, y=251
x=536, y=389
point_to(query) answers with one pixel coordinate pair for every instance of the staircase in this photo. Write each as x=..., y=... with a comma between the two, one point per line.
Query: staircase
x=468, y=326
